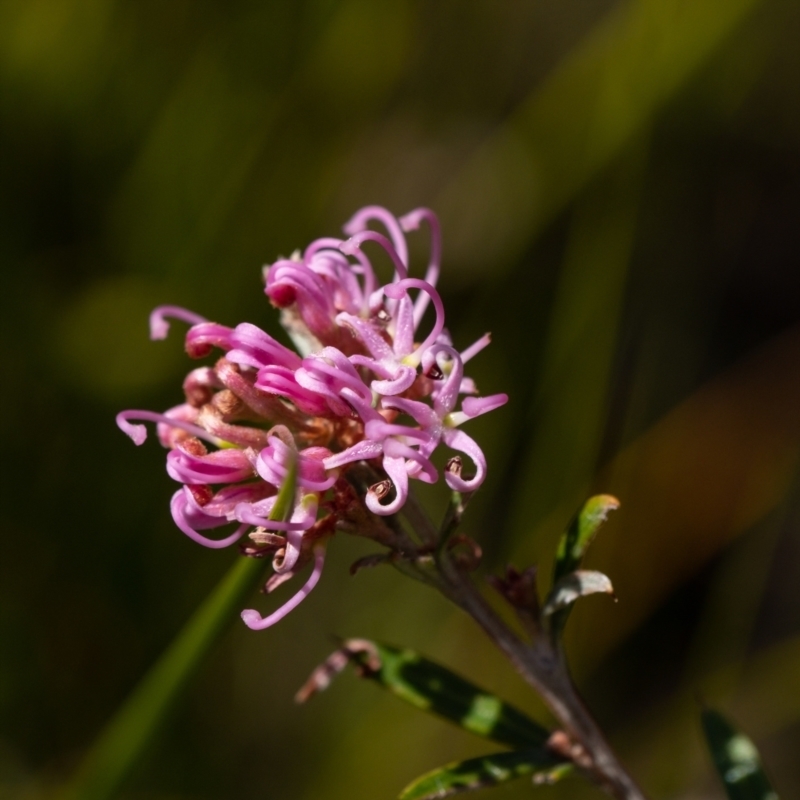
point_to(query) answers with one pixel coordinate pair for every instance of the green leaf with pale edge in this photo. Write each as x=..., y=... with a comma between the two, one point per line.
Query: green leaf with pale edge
x=433, y=688
x=736, y=760
x=125, y=738
x=580, y=533
x=479, y=773
x=575, y=585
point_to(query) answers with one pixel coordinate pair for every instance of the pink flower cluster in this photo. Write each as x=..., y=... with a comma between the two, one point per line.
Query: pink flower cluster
x=370, y=383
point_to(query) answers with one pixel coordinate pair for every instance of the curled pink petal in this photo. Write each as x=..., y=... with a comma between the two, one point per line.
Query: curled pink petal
x=396, y=470
x=188, y=517
x=159, y=327
x=256, y=622
x=420, y=412
x=404, y=379
x=273, y=464
x=369, y=335
x=253, y=347
x=138, y=433
x=201, y=338
x=362, y=451
x=353, y=244
x=475, y=406
x=458, y=440
x=283, y=382
x=446, y=396
x=169, y=436
x=411, y=222
x=379, y=429
x=221, y=466
x=358, y=223
x=292, y=281
x=421, y=467
x=329, y=374
x=242, y=384
x=247, y=513
x=402, y=327
x=292, y=550
x=324, y=243
x=398, y=289
x=223, y=502
x=364, y=268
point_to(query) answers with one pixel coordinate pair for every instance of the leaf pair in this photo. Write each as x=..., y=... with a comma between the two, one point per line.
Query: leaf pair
x=569, y=582
x=433, y=688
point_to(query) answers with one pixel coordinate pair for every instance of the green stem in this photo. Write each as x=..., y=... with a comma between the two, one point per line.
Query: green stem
x=121, y=745
x=543, y=666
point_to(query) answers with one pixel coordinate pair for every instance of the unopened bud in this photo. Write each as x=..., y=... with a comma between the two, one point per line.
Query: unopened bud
x=192, y=446
x=263, y=536
x=281, y=295
x=227, y=403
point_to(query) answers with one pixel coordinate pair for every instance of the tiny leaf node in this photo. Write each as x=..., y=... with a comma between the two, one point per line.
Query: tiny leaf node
x=574, y=586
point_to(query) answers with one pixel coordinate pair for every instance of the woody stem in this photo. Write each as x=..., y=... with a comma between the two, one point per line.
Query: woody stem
x=543, y=666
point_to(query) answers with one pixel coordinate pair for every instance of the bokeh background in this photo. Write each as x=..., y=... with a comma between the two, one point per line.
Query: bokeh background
x=619, y=188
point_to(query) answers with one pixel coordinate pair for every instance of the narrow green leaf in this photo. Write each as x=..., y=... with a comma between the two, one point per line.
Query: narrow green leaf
x=481, y=772
x=125, y=738
x=432, y=688
x=436, y=689
x=575, y=585
x=736, y=760
x=580, y=533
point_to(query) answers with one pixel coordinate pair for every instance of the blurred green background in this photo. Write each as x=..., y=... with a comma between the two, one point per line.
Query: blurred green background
x=619, y=188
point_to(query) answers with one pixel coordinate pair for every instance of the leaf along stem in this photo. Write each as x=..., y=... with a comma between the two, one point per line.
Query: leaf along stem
x=542, y=664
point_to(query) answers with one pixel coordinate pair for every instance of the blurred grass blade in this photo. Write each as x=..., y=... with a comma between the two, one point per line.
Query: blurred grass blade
x=580, y=533
x=432, y=688
x=481, y=772
x=736, y=760
x=571, y=400
x=605, y=92
x=126, y=737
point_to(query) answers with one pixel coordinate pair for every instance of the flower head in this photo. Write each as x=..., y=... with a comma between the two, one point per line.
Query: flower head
x=367, y=383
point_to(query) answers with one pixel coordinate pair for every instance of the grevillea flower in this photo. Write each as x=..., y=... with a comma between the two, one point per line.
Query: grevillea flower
x=368, y=383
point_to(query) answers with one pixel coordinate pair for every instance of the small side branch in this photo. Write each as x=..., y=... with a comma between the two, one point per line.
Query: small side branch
x=543, y=666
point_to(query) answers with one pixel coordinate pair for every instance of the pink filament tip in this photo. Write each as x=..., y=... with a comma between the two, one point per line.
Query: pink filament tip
x=475, y=406
x=159, y=327
x=476, y=347
x=137, y=432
